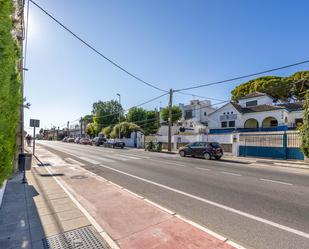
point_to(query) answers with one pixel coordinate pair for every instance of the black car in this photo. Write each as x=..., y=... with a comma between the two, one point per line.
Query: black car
x=113, y=143
x=97, y=141
x=208, y=150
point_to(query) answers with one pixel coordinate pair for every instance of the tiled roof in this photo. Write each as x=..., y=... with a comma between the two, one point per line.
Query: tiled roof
x=261, y=108
x=253, y=95
x=297, y=106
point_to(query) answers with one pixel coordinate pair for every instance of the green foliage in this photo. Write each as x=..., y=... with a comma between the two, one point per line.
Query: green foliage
x=176, y=114
x=149, y=120
x=106, y=113
x=280, y=88
x=304, y=130
x=88, y=119
x=107, y=131
x=91, y=129
x=153, y=122
x=126, y=128
x=136, y=114
x=10, y=90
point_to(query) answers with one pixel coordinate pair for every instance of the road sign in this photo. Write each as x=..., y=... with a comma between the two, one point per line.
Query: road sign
x=34, y=123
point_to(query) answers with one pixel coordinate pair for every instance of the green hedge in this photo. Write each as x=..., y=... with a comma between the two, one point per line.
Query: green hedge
x=10, y=90
x=304, y=130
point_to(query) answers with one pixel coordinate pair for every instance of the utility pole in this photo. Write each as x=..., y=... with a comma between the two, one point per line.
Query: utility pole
x=81, y=127
x=118, y=94
x=68, y=127
x=170, y=104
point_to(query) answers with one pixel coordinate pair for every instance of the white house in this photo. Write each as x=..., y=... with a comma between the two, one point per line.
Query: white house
x=255, y=111
x=195, y=116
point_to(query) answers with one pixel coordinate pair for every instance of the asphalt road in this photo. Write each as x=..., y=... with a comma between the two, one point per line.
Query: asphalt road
x=262, y=207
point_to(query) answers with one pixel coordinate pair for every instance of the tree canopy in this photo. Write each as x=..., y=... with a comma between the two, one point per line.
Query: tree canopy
x=136, y=114
x=126, y=128
x=280, y=88
x=304, y=130
x=106, y=113
x=176, y=113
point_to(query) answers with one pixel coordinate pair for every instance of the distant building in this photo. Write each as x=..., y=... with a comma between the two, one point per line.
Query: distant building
x=195, y=115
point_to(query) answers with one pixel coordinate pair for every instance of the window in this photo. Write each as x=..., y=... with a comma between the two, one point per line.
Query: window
x=231, y=123
x=228, y=113
x=298, y=121
x=231, y=112
x=188, y=114
x=251, y=103
x=205, y=113
x=223, y=113
x=223, y=124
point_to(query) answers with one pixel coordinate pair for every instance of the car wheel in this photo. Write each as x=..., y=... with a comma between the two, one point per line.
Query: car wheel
x=207, y=156
x=217, y=157
x=182, y=153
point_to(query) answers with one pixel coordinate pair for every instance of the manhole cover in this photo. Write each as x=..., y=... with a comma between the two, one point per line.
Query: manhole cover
x=78, y=177
x=81, y=238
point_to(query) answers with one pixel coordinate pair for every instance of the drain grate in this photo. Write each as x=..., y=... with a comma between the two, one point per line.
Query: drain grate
x=81, y=238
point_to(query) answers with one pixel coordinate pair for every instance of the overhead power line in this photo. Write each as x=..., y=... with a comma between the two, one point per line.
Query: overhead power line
x=117, y=113
x=95, y=50
x=199, y=96
x=244, y=76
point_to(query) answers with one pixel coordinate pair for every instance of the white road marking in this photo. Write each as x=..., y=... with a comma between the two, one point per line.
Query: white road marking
x=130, y=157
x=116, y=157
x=88, y=160
x=229, y=173
x=74, y=161
x=101, y=158
x=203, y=169
x=160, y=161
x=215, y=204
x=269, y=180
x=139, y=156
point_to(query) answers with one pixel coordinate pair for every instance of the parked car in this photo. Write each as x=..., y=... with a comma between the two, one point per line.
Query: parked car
x=208, y=150
x=70, y=140
x=113, y=143
x=86, y=141
x=65, y=139
x=97, y=141
x=77, y=140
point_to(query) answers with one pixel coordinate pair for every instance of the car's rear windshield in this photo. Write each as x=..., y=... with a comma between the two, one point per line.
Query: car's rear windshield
x=215, y=145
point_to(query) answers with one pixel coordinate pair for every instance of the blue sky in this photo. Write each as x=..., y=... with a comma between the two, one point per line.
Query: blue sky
x=170, y=43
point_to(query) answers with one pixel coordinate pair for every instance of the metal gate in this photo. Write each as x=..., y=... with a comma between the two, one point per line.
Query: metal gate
x=279, y=145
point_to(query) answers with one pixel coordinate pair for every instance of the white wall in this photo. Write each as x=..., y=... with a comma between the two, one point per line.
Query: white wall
x=2, y=191
x=214, y=119
x=129, y=142
x=260, y=116
x=262, y=100
x=163, y=130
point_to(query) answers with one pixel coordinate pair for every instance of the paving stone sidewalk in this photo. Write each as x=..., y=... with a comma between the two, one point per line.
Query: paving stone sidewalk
x=40, y=215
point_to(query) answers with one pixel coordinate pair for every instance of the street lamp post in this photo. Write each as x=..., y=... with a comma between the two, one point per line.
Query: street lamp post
x=119, y=100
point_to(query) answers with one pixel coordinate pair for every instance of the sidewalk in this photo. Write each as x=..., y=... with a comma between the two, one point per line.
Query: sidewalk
x=130, y=220
x=40, y=215
x=268, y=161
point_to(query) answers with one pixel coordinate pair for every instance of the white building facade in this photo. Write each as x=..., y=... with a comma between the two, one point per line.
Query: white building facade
x=256, y=111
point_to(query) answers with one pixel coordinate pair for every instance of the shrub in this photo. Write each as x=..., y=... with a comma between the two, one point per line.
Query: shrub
x=10, y=90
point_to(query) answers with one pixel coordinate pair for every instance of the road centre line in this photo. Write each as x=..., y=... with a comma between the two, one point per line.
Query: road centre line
x=274, y=181
x=181, y=165
x=229, y=173
x=215, y=204
x=203, y=168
